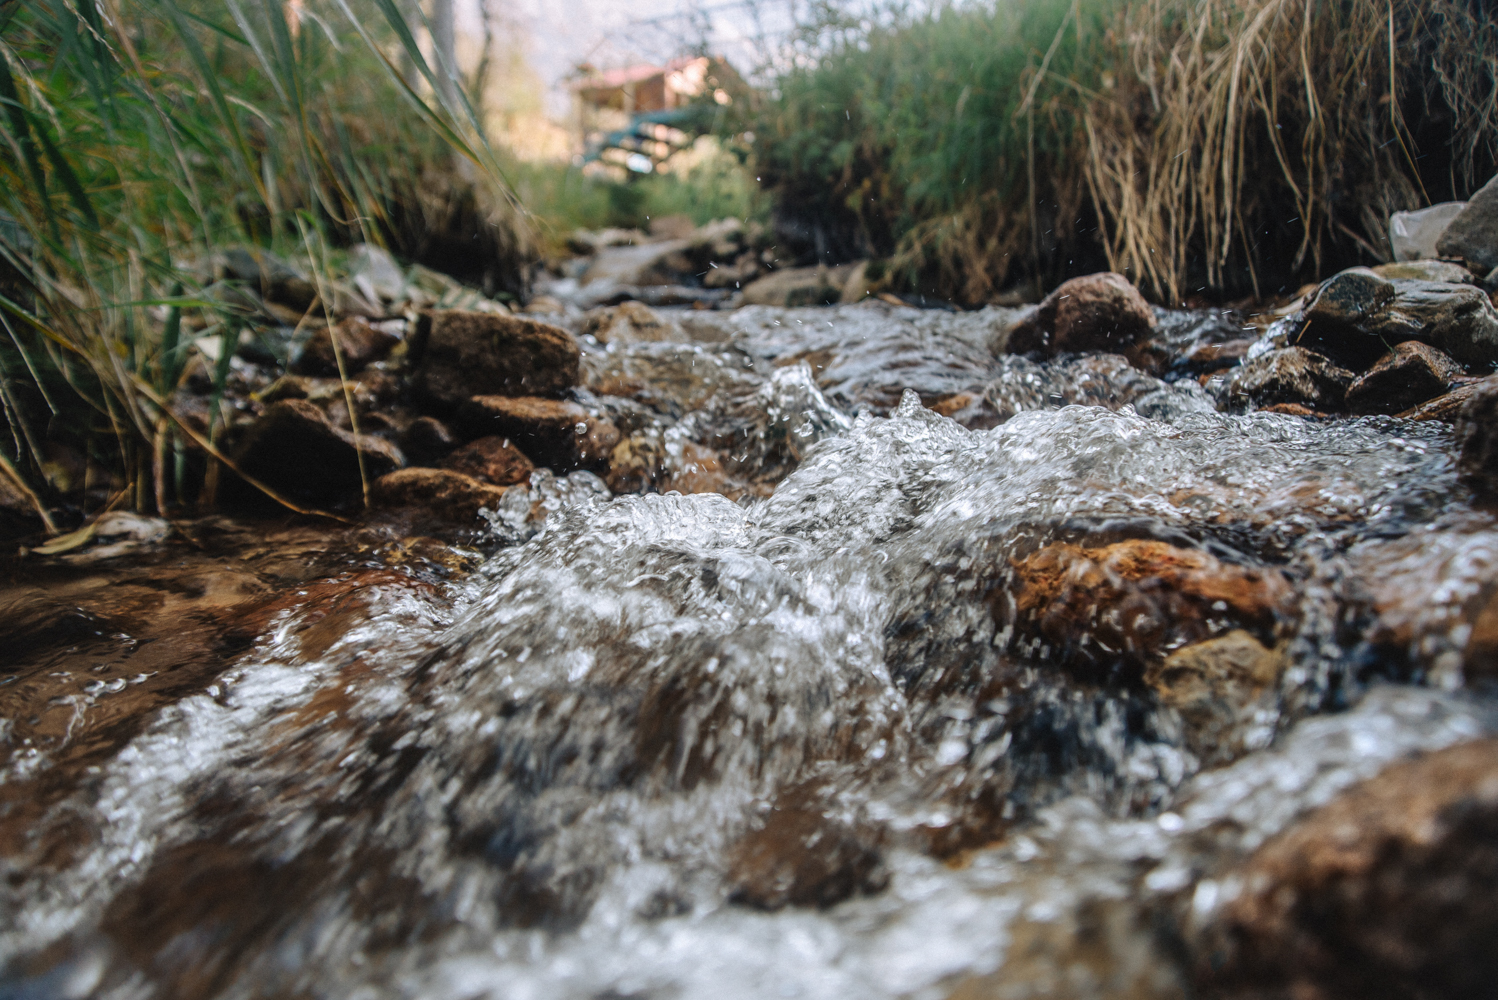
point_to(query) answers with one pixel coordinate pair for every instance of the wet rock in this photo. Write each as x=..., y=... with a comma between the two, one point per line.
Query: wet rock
x=464, y=354
x=1358, y=315
x=1132, y=602
x=799, y=286
x=636, y=464
x=1097, y=312
x=1445, y=408
x=1425, y=270
x=1477, y=440
x=1390, y=890
x=630, y=323
x=1413, y=235
x=805, y=855
x=439, y=495
x=1215, y=685
x=427, y=441
x=1473, y=234
x=1407, y=376
x=1205, y=358
x=294, y=449
x=359, y=342
x=492, y=460
x=1291, y=375
x=655, y=263
x=557, y=434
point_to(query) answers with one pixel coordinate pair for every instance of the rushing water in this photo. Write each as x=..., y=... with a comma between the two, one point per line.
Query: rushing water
x=798, y=745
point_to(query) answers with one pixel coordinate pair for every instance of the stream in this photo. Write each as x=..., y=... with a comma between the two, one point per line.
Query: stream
x=859, y=728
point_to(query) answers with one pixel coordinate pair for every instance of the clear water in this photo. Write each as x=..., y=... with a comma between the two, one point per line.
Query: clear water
x=538, y=781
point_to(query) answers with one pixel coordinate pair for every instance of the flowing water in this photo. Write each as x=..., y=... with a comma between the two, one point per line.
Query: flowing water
x=803, y=744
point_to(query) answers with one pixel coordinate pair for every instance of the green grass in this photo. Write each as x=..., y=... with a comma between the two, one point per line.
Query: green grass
x=140, y=142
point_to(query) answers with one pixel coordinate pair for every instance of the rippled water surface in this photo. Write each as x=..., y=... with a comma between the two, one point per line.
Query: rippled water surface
x=803, y=744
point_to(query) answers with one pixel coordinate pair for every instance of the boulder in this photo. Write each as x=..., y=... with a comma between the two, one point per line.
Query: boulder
x=1357, y=315
x=1291, y=375
x=1473, y=234
x=630, y=323
x=799, y=286
x=1389, y=890
x=295, y=450
x=360, y=343
x=441, y=495
x=1477, y=440
x=1407, y=376
x=559, y=435
x=1415, y=235
x=1131, y=602
x=427, y=441
x=1097, y=312
x=492, y=460
x=462, y=354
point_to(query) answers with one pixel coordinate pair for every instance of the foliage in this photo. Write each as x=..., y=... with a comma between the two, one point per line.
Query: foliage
x=142, y=134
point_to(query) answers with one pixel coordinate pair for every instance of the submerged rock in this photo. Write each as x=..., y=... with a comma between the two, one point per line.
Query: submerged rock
x=1216, y=685
x=805, y=855
x=1473, y=234
x=1407, y=376
x=294, y=449
x=359, y=343
x=492, y=460
x=464, y=354
x=557, y=434
x=1098, y=312
x=1291, y=375
x=1390, y=890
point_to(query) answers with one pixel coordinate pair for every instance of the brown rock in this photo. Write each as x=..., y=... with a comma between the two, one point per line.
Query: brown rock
x=1390, y=890
x=1410, y=374
x=629, y=323
x=492, y=460
x=1291, y=375
x=439, y=494
x=1357, y=315
x=1446, y=408
x=1215, y=685
x=1132, y=602
x=463, y=354
x=1098, y=312
x=805, y=855
x=359, y=342
x=427, y=441
x=1205, y=358
x=553, y=433
x=294, y=449
x=1477, y=440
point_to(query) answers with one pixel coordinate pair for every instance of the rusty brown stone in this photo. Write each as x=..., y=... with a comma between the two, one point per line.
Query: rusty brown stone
x=554, y=433
x=461, y=354
x=359, y=343
x=1096, y=312
x=296, y=450
x=491, y=460
x=1390, y=890
x=442, y=495
x=1410, y=374
x=1133, y=602
x=1214, y=685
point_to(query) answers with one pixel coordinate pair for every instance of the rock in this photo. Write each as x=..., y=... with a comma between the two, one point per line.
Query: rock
x=656, y=263
x=1291, y=375
x=556, y=434
x=1389, y=890
x=427, y=441
x=1473, y=234
x=798, y=286
x=1132, y=602
x=1215, y=685
x=1446, y=408
x=858, y=285
x=1358, y=315
x=744, y=270
x=545, y=305
x=1477, y=440
x=1414, y=235
x=630, y=323
x=805, y=854
x=1425, y=270
x=295, y=450
x=360, y=343
x=491, y=459
x=375, y=273
x=442, y=495
x=1097, y=312
x=1205, y=358
x=464, y=354
x=588, y=242
x=1410, y=374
